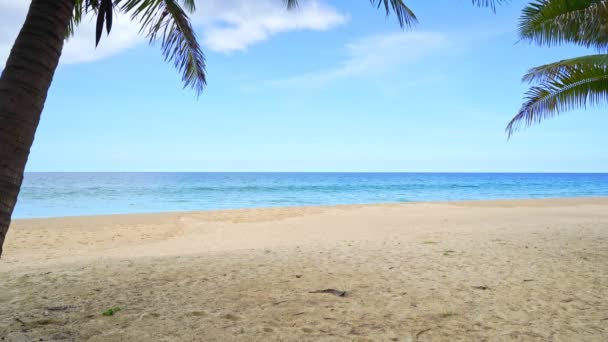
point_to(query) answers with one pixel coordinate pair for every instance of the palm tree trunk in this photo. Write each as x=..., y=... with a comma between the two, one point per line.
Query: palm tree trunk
x=24, y=84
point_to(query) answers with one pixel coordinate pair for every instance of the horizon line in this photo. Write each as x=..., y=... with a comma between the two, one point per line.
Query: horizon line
x=378, y=172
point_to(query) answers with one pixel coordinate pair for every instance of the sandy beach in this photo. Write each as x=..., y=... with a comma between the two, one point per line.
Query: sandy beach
x=525, y=270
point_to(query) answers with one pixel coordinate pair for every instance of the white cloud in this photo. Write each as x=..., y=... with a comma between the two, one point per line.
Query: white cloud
x=372, y=55
x=234, y=25
x=12, y=14
x=81, y=47
x=224, y=25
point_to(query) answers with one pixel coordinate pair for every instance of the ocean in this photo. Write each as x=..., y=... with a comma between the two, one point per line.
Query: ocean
x=74, y=194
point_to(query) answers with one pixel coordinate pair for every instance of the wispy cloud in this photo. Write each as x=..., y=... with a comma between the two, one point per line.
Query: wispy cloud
x=234, y=25
x=373, y=55
x=224, y=26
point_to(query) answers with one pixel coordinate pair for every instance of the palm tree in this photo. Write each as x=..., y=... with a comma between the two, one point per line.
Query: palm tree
x=572, y=83
x=33, y=59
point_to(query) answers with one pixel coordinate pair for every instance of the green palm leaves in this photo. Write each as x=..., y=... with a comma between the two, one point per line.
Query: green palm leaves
x=551, y=22
x=568, y=84
x=161, y=20
x=167, y=21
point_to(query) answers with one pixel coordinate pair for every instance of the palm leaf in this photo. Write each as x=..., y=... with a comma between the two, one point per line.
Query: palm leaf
x=551, y=22
x=406, y=16
x=565, y=67
x=104, y=14
x=81, y=7
x=565, y=85
x=489, y=3
x=165, y=20
x=189, y=5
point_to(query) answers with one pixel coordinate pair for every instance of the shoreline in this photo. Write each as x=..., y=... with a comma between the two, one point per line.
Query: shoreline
x=480, y=201
x=533, y=270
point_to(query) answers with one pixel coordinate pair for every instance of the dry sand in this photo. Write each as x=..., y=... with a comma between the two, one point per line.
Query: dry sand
x=533, y=270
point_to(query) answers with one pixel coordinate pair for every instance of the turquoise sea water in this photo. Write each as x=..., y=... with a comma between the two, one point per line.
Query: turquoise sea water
x=68, y=194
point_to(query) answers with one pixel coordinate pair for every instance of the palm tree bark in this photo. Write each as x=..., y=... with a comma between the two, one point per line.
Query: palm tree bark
x=24, y=84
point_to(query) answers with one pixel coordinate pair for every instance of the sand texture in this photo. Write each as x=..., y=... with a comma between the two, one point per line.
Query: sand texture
x=526, y=270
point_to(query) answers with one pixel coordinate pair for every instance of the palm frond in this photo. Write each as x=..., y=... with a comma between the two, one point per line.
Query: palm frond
x=189, y=5
x=566, y=67
x=104, y=9
x=404, y=14
x=104, y=15
x=564, y=88
x=551, y=22
x=81, y=7
x=290, y=3
x=76, y=19
x=489, y=3
x=165, y=20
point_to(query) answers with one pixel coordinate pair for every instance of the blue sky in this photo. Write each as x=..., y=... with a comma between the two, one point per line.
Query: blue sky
x=333, y=86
